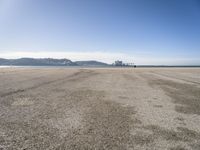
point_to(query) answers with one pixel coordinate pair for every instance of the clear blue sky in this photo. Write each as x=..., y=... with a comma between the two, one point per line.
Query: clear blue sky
x=149, y=31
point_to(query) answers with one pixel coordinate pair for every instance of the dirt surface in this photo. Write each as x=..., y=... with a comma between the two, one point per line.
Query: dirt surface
x=113, y=108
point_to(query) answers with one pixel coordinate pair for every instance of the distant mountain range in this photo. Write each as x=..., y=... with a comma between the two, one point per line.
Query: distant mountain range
x=48, y=62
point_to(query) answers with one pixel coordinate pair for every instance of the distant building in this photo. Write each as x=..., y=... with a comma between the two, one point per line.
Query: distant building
x=118, y=63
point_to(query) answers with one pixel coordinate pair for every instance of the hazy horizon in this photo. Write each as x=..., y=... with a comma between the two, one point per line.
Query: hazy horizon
x=99, y=56
x=145, y=32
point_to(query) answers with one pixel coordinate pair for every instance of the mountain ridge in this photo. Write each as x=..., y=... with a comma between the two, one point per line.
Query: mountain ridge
x=48, y=62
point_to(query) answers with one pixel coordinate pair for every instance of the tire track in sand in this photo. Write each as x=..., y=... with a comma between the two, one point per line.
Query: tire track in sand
x=76, y=76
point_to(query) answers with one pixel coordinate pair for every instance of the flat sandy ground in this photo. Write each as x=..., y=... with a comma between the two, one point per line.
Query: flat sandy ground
x=119, y=108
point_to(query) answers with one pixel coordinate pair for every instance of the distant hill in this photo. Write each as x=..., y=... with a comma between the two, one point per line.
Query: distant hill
x=90, y=63
x=37, y=62
x=47, y=62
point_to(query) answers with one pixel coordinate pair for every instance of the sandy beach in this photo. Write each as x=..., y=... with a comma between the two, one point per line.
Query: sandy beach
x=100, y=108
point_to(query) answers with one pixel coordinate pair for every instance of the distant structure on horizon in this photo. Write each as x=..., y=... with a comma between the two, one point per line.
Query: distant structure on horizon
x=120, y=63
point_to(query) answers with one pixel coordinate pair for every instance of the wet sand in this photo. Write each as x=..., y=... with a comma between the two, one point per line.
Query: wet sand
x=100, y=108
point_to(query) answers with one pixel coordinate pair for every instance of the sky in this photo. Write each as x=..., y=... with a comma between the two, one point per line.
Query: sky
x=153, y=32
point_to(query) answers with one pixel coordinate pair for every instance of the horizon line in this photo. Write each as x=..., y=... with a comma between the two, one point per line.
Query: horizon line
x=107, y=57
